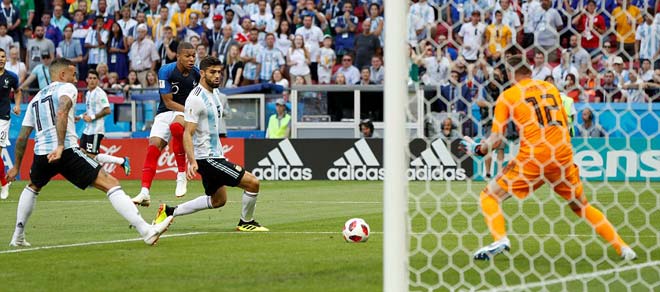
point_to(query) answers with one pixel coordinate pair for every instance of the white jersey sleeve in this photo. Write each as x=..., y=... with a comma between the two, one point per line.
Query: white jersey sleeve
x=68, y=90
x=194, y=108
x=28, y=120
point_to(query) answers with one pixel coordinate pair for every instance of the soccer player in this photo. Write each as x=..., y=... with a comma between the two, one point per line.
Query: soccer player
x=201, y=142
x=175, y=81
x=545, y=155
x=97, y=107
x=50, y=113
x=8, y=83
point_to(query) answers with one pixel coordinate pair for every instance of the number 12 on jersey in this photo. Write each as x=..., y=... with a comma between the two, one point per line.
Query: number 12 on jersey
x=549, y=104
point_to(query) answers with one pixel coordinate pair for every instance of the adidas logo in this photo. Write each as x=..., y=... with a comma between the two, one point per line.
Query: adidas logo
x=436, y=163
x=357, y=163
x=282, y=163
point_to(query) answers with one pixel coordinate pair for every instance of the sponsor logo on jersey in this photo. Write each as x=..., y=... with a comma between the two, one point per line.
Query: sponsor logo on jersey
x=357, y=163
x=282, y=163
x=436, y=163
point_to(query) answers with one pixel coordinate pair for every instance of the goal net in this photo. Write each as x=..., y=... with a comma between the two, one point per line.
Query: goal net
x=608, y=87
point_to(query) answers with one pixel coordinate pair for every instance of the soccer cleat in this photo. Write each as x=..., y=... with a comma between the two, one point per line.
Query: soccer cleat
x=627, y=254
x=250, y=226
x=181, y=185
x=127, y=166
x=488, y=252
x=142, y=199
x=19, y=241
x=157, y=230
x=4, y=193
x=161, y=215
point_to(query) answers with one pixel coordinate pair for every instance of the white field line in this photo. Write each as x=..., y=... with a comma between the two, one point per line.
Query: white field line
x=577, y=277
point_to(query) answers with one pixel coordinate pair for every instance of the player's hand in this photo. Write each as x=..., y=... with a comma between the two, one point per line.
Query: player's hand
x=469, y=146
x=11, y=174
x=87, y=118
x=17, y=109
x=192, y=170
x=55, y=155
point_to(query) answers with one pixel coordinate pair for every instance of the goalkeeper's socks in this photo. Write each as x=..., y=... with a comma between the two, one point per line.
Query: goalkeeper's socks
x=602, y=226
x=490, y=207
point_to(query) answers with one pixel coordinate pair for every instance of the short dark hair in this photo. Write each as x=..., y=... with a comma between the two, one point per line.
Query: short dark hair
x=3, y=51
x=365, y=67
x=519, y=65
x=209, y=61
x=58, y=65
x=93, y=72
x=184, y=46
x=367, y=123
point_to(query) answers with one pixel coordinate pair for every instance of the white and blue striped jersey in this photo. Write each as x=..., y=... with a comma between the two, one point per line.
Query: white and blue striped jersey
x=649, y=37
x=95, y=101
x=270, y=59
x=250, y=50
x=42, y=116
x=204, y=108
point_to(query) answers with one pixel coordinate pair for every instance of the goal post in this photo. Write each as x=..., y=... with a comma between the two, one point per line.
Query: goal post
x=395, y=202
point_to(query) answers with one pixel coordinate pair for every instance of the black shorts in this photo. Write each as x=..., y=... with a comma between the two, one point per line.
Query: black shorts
x=218, y=172
x=74, y=165
x=91, y=143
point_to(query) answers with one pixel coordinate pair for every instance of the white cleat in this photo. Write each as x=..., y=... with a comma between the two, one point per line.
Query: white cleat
x=19, y=241
x=4, y=193
x=157, y=230
x=181, y=185
x=627, y=254
x=488, y=252
x=142, y=199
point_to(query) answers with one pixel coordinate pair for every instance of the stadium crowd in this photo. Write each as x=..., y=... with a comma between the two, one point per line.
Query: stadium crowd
x=593, y=51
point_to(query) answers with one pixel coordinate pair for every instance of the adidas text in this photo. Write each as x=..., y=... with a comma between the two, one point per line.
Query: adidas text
x=283, y=173
x=356, y=173
x=436, y=173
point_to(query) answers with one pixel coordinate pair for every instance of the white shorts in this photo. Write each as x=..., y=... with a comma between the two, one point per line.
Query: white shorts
x=161, y=126
x=324, y=75
x=4, y=133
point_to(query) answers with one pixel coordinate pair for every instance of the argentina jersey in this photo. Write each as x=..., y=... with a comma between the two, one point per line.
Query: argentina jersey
x=204, y=108
x=41, y=115
x=172, y=81
x=95, y=101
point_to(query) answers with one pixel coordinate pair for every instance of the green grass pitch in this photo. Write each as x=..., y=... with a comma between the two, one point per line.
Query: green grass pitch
x=81, y=244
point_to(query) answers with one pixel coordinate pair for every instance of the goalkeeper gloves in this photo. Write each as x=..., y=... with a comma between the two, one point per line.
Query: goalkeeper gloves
x=471, y=147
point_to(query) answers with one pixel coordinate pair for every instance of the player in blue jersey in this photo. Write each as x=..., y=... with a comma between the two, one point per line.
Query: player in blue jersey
x=8, y=83
x=201, y=140
x=56, y=151
x=175, y=81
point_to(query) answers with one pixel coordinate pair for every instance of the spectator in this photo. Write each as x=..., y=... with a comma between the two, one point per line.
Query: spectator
x=365, y=77
x=181, y=18
x=152, y=13
x=349, y=71
x=471, y=37
x=604, y=60
x=232, y=21
x=283, y=38
x=626, y=17
x=279, y=123
x=279, y=16
x=620, y=75
x=455, y=96
x=423, y=12
x=39, y=73
x=540, y=70
x=84, y=5
x=647, y=40
x=15, y=65
x=143, y=55
x=172, y=8
x=38, y=47
x=96, y=43
x=571, y=88
x=340, y=79
x=279, y=79
x=114, y=85
x=197, y=5
x=651, y=79
x=344, y=27
x=221, y=46
x=168, y=47
x=243, y=34
x=268, y=59
x=25, y=10
x=158, y=27
x=580, y=58
x=102, y=11
x=437, y=68
x=80, y=31
x=5, y=41
x=589, y=128
x=308, y=8
x=104, y=76
x=300, y=81
x=51, y=31
x=59, y=20
x=450, y=133
x=214, y=34
x=498, y=38
x=132, y=33
x=545, y=22
x=11, y=17
x=263, y=21
x=510, y=18
x=560, y=72
x=249, y=57
x=200, y=53
x=193, y=29
x=634, y=89
x=333, y=8
x=234, y=68
x=117, y=52
x=132, y=82
x=206, y=19
x=152, y=80
x=449, y=52
x=112, y=8
x=367, y=45
x=377, y=23
x=608, y=91
x=313, y=36
x=377, y=70
x=591, y=25
x=367, y=129
x=70, y=48
x=299, y=59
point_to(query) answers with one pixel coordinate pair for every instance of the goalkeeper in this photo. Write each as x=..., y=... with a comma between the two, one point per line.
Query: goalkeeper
x=545, y=155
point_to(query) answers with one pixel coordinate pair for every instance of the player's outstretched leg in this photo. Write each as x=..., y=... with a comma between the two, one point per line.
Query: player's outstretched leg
x=200, y=203
x=250, y=185
x=4, y=191
x=149, y=171
x=604, y=228
x=123, y=161
x=26, y=204
x=490, y=207
x=176, y=144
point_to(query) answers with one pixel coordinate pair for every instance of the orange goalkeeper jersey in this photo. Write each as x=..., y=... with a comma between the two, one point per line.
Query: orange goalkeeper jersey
x=536, y=109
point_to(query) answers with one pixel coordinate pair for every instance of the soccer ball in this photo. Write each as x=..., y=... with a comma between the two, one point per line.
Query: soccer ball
x=356, y=230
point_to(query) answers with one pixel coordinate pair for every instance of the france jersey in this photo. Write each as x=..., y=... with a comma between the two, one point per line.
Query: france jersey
x=204, y=108
x=8, y=81
x=41, y=115
x=95, y=101
x=171, y=80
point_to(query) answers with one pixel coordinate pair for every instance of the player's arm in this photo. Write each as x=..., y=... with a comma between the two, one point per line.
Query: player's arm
x=168, y=99
x=500, y=119
x=65, y=104
x=188, y=132
x=21, y=145
x=18, y=98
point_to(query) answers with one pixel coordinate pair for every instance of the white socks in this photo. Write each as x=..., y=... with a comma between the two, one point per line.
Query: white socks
x=194, y=205
x=249, y=202
x=105, y=158
x=144, y=190
x=26, y=204
x=125, y=207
